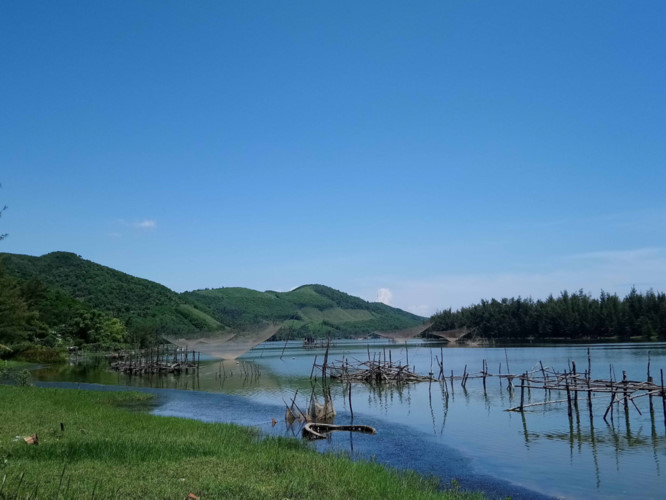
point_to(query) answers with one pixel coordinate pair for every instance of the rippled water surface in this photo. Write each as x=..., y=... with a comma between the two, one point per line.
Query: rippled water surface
x=468, y=435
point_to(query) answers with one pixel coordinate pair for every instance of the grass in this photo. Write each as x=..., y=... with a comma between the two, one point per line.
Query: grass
x=107, y=451
x=12, y=364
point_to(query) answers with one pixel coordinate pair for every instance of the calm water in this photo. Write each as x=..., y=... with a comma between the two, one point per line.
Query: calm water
x=468, y=436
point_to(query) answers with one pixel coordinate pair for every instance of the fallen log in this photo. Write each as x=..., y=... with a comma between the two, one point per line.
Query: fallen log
x=313, y=430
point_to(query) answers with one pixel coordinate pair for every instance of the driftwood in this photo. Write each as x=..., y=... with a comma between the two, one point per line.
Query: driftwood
x=376, y=372
x=313, y=430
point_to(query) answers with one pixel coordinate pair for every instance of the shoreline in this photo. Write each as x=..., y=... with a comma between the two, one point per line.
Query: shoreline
x=91, y=444
x=412, y=455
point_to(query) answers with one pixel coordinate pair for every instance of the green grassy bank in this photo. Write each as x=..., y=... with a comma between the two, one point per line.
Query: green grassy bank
x=107, y=451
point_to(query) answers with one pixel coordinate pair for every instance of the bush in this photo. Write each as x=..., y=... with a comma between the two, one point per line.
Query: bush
x=38, y=354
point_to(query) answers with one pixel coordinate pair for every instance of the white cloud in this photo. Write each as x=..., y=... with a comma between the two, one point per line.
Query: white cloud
x=384, y=296
x=145, y=224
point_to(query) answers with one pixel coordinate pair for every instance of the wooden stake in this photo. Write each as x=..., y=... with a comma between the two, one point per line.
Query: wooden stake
x=485, y=373
x=575, y=381
x=566, y=383
x=650, y=381
x=589, y=396
x=663, y=399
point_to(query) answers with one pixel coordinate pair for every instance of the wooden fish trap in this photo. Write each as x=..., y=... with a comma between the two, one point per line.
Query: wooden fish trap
x=162, y=359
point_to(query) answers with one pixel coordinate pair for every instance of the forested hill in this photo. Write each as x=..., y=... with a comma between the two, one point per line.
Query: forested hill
x=308, y=310
x=574, y=316
x=71, y=294
x=61, y=298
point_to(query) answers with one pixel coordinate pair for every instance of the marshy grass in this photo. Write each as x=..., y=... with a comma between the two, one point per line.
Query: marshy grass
x=106, y=451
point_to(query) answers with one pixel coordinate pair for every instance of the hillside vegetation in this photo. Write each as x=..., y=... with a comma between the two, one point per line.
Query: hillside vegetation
x=63, y=299
x=315, y=310
x=71, y=297
x=574, y=316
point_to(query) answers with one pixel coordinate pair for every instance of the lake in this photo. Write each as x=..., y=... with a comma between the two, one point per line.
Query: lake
x=468, y=436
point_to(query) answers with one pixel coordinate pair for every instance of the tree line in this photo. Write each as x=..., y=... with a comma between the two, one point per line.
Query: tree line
x=571, y=316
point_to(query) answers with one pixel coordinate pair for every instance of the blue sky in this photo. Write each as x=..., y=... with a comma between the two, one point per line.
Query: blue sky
x=426, y=153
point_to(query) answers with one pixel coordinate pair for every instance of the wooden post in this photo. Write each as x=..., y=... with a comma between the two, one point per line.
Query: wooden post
x=650, y=381
x=612, y=400
x=323, y=368
x=351, y=410
x=485, y=372
x=313, y=366
x=663, y=399
x=566, y=384
x=284, y=347
x=610, y=406
x=522, y=391
x=575, y=382
x=545, y=378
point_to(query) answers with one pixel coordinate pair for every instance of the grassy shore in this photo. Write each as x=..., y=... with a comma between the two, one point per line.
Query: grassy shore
x=107, y=451
x=12, y=364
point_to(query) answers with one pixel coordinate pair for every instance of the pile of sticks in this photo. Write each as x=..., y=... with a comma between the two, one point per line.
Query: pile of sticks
x=161, y=359
x=375, y=372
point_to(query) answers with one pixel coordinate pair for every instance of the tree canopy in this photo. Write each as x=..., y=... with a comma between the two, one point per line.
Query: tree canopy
x=571, y=316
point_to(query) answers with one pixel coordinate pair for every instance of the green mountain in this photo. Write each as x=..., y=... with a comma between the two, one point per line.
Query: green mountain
x=62, y=298
x=67, y=290
x=308, y=310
